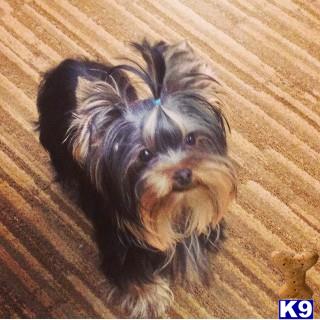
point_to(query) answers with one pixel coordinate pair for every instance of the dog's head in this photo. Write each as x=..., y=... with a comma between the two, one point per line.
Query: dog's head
x=161, y=162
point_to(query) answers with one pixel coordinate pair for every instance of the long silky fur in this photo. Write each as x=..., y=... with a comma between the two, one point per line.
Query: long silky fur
x=94, y=126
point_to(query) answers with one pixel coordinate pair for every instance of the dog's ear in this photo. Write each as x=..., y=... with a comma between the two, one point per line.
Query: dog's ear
x=83, y=90
x=98, y=104
x=187, y=72
x=109, y=92
x=188, y=75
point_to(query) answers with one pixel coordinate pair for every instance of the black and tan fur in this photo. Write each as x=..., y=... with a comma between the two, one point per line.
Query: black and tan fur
x=153, y=174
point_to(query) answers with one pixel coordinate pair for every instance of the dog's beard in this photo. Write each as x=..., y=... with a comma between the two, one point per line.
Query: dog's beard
x=169, y=216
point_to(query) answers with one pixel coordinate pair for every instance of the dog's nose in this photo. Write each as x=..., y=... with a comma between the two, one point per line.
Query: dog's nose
x=182, y=178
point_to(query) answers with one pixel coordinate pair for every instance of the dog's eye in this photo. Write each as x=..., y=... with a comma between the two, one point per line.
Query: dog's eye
x=190, y=139
x=145, y=155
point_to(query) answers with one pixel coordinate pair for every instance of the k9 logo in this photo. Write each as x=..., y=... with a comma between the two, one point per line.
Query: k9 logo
x=295, y=309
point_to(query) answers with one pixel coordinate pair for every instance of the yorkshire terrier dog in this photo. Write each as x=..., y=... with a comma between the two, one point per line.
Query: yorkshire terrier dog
x=153, y=174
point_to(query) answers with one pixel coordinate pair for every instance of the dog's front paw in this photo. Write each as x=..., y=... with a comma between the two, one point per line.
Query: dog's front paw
x=149, y=300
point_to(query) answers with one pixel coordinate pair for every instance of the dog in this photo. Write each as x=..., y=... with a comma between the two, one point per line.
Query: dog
x=152, y=173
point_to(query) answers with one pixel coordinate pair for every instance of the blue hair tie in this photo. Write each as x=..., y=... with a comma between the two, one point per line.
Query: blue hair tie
x=157, y=102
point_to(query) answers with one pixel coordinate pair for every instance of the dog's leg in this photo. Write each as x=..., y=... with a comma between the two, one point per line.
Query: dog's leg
x=144, y=300
x=137, y=286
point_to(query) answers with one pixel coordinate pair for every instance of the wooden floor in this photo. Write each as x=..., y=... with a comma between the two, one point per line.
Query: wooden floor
x=267, y=53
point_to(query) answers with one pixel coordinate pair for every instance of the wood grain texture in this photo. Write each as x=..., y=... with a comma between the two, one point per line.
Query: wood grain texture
x=267, y=54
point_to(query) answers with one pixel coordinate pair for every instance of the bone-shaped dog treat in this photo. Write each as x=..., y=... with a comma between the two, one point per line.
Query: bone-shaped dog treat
x=294, y=268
